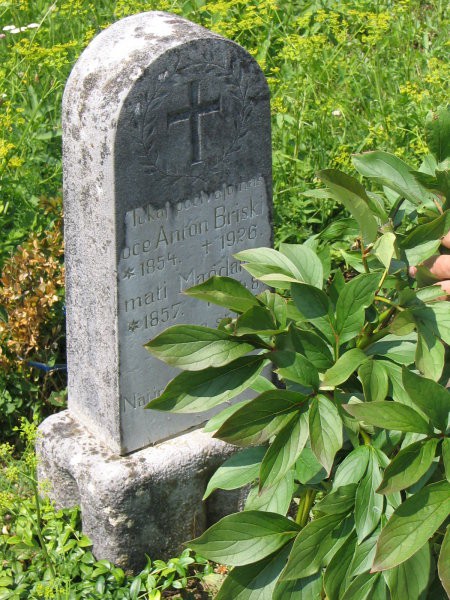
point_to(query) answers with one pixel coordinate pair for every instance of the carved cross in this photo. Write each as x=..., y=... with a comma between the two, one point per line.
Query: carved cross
x=193, y=114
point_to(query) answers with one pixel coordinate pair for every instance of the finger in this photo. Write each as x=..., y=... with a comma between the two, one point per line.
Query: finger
x=445, y=285
x=439, y=266
x=446, y=240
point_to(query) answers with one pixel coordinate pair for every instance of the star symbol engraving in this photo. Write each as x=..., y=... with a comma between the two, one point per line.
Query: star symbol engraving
x=129, y=273
x=133, y=326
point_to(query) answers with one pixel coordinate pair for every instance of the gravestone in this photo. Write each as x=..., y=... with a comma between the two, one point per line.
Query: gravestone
x=167, y=174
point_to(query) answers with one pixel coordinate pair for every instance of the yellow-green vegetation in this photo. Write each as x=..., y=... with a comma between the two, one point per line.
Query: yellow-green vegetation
x=44, y=554
x=345, y=77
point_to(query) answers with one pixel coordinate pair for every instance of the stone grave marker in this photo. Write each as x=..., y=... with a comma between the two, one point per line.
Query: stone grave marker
x=167, y=166
x=167, y=174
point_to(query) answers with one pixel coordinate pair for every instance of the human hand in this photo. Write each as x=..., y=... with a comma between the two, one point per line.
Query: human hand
x=439, y=266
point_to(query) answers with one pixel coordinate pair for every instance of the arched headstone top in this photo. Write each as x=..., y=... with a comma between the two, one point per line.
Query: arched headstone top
x=167, y=174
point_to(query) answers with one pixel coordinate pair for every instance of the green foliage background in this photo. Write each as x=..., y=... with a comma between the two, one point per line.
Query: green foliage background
x=345, y=77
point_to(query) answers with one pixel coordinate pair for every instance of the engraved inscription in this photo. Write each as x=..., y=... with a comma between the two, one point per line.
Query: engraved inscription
x=169, y=250
x=177, y=111
x=193, y=114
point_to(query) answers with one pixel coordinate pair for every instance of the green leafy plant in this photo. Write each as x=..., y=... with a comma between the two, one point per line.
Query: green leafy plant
x=32, y=332
x=347, y=452
x=45, y=554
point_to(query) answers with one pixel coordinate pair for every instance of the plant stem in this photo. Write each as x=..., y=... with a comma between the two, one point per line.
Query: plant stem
x=370, y=339
x=39, y=531
x=389, y=302
x=304, y=507
x=365, y=437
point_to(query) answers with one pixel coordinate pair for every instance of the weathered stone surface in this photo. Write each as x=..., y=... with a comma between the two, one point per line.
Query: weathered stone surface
x=147, y=502
x=167, y=174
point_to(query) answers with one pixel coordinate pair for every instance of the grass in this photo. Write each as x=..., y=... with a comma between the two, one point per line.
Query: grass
x=345, y=77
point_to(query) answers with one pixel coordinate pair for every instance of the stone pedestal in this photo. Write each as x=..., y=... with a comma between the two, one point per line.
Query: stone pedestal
x=149, y=502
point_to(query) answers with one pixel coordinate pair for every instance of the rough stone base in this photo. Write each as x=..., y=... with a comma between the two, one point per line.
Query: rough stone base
x=147, y=503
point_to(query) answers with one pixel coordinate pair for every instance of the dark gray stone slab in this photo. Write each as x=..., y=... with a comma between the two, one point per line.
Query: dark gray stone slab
x=167, y=174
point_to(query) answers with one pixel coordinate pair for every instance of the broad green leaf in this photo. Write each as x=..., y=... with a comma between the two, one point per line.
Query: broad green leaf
x=398, y=393
x=236, y=471
x=364, y=554
x=325, y=430
x=193, y=347
x=389, y=415
x=412, y=524
x=244, y=538
x=401, y=351
x=284, y=450
x=338, y=502
x=311, y=545
x=268, y=257
x=307, y=262
x=391, y=172
x=256, y=320
x=336, y=287
x=428, y=232
x=357, y=295
x=217, y=420
x=444, y=562
x=308, y=469
x=255, y=581
x=353, y=467
x=408, y=466
x=345, y=366
x=446, y=456
x=314, y=305
x=411, y=578
x=336, y=577
x=310, y=301
x=384, y=248
x=361, y=587
x=275, y=499
x=295, y=367
x=403, y=323
x=308, y=343
x=430, y=397
x=261, y=418
x=262, y=384
x=267, y=275
x=430, y=353
x=374, y=380
x=350, y=192
x=339, y=229
x=224, y=291
x=437, y=133
x=437, y=318
x=417, y=254
x=368, y=504
x=277, y=306
x=199, y=391
x=306, y=588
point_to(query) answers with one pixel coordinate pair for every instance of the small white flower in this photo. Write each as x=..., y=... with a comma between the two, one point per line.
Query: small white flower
x=9, y=27
x=15, y=30
x=33, y=26
x=336, y=113
x=23, y=28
